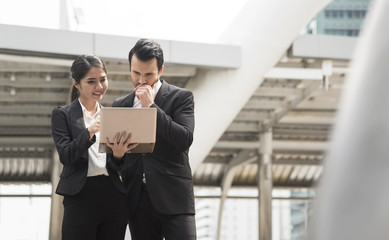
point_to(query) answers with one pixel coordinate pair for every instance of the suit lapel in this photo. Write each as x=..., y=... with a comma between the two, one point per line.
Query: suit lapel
x=160, y=98
x=130, y=99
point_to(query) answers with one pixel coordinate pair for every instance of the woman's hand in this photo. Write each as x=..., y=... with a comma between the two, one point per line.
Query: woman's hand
x=94, y=128
x=121, y=144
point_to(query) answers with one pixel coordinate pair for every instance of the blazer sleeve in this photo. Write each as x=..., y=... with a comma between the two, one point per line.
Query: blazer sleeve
x=178, y=128
x=70, y=149
x=114, y=164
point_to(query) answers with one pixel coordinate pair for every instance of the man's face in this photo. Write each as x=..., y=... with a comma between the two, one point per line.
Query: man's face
x=144, y=73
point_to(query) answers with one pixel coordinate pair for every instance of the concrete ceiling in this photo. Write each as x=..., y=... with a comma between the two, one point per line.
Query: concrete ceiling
x=297, y=108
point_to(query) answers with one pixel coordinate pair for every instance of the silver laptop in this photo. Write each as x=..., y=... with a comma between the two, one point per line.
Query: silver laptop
x=141, y=122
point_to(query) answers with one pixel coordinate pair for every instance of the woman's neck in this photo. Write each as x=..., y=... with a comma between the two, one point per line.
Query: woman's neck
x=91, y=106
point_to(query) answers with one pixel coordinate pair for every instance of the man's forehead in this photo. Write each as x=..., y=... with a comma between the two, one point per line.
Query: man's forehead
x=148, y=65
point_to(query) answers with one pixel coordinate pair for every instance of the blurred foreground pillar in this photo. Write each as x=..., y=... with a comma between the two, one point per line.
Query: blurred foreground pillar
x=265, y=185
x=56, y=201
x=354, y=194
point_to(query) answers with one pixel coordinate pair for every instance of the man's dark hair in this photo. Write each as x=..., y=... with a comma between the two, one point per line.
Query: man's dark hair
x=147, y=49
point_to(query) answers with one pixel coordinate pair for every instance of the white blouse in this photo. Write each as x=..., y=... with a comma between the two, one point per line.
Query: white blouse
x=97, y=161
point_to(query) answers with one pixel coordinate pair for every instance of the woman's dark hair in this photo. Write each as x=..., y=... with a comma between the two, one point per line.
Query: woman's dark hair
x=146, y=49
x=80, y=67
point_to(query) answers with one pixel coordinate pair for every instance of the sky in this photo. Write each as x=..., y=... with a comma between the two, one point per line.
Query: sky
x=185, y=20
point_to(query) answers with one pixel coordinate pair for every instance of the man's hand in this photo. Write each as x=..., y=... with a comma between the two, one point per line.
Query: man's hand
x=145, y=94
x=121, y=144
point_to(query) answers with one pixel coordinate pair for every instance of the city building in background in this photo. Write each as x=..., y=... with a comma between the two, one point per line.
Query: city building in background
x=240, y=219
x=291, y=212
x=341, y=18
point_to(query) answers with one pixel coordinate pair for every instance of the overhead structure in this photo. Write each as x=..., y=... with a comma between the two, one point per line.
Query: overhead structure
x=34, y=78
x=290, y=99
x=293, y=102
x=263, y=40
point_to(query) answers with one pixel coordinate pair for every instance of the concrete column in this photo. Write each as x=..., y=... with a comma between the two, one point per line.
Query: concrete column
x=56, y=200
x=265, y=185
x=64, y=15
x=244, y=157
x=353, y=195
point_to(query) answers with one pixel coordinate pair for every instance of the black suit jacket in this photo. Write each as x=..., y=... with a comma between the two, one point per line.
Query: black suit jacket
x=71, y=139
x=167, y=169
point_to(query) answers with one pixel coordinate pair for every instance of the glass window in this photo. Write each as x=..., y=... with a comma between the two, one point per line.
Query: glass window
x=333, y=14
x=349, y=14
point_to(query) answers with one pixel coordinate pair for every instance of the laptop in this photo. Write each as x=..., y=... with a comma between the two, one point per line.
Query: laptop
x=141, y=122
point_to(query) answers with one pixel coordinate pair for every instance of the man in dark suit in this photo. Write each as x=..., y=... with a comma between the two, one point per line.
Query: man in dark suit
x=159, y=184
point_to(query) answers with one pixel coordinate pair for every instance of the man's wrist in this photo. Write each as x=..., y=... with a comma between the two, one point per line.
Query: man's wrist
x=148, y=106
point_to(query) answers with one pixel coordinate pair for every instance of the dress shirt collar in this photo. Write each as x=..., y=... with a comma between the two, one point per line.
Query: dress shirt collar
x=87, y=113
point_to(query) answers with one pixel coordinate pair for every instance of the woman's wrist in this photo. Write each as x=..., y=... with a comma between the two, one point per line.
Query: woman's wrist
x=118, y=157
x=91, y=134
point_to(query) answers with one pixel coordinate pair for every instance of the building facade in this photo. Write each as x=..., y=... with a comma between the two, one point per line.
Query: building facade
x=341, y=17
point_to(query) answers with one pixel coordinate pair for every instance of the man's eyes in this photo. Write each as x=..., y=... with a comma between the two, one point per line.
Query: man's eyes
x=146, y=74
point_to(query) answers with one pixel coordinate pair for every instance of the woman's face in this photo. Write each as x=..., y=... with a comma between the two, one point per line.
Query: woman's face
x=93, y=86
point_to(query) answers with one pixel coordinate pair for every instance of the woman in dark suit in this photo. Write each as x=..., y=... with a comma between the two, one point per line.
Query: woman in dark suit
x=94, y=196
